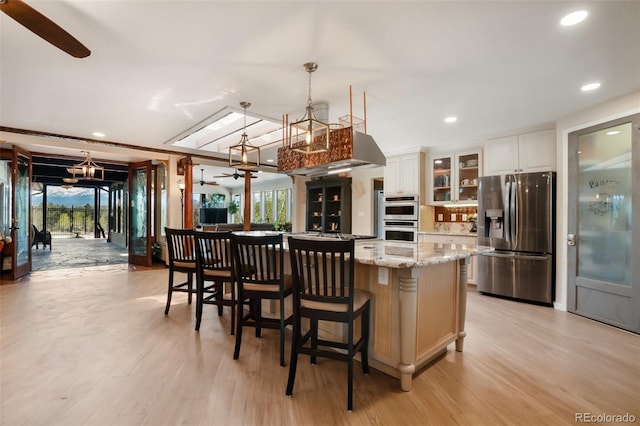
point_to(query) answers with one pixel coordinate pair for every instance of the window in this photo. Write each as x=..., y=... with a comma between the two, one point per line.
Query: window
x=257, y=208
x=272, y=206
x=267, y=213
x=283, y=206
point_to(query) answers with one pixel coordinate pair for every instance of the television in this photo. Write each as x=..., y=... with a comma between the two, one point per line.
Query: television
x=213, y=215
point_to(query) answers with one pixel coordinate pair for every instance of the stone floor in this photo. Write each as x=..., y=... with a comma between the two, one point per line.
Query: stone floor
x=70, y=252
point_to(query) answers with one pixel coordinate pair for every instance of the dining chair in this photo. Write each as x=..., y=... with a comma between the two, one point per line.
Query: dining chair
x=259, y=262
x=324, y=290
x=182, y=258
x=214, y=263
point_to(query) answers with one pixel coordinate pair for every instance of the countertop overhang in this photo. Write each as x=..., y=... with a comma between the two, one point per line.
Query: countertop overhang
x=393, y=254
x=411, y=255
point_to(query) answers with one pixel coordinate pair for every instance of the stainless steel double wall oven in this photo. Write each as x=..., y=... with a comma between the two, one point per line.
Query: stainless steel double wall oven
x=400, y=216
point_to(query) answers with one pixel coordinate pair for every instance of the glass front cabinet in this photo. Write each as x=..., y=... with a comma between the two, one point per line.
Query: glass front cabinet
x=454, y=177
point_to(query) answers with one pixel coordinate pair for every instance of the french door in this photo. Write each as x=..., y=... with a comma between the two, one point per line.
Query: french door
x=140, y=213
x=15, y=208
x=604, y=223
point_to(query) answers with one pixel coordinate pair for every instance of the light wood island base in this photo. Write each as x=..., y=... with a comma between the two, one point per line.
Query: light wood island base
x=416, y=313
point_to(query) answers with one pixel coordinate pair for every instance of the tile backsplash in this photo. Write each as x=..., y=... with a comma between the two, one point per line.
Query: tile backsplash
x=455, y=227
x=453, y=219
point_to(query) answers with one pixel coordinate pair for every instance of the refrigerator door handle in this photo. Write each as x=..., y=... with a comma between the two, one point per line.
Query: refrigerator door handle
x=518, y=256
x=513, y=210
x=507, y=221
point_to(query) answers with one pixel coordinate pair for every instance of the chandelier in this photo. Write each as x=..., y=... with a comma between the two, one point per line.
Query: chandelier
x=249, y=155
x=87, y=170
x=309, y=135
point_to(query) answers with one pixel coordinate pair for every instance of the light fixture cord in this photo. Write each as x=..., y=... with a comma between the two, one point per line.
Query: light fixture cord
x=309, y=98
x=244, y=128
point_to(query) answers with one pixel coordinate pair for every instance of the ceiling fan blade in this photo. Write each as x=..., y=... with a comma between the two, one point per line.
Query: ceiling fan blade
x=43, y=27
x=212, y=183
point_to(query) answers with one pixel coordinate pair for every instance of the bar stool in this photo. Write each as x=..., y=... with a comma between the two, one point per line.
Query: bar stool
x=214, y=263
x=324, y=290
x=182, y=258
x=259, y=262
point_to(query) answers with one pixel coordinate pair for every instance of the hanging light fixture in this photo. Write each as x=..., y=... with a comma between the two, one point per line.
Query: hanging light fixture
x=249, y=155
x=87, y=170
x=309, y=135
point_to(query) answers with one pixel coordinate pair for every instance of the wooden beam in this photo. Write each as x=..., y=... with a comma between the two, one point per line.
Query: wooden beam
x=188, y=194
x=246, y=226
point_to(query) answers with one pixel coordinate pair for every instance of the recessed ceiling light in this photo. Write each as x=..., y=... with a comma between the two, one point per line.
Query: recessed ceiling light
x=99, y=134
x=451, y=119
x=613, y=132
x=590, y=86
x=574, y=18
x=270, y=160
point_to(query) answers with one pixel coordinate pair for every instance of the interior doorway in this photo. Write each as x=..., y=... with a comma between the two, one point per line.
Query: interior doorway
x=73, y=219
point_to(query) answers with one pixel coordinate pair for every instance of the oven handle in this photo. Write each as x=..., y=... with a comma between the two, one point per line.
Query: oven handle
x=401, y=223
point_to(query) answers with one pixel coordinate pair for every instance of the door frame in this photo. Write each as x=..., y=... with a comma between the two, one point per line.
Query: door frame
x=633, y=291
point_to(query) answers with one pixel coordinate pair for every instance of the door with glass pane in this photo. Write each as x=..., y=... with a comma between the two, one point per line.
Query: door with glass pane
x=140, y=213
x=15, y=206
x=604, y=228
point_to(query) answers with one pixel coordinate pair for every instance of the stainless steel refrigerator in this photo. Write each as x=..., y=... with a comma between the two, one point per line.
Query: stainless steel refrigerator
x=516, y=216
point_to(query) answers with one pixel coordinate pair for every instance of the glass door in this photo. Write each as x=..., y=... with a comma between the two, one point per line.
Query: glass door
x=140, y=213
x=442, y=179
x=467, y=177
x=603, y=272
x=15, y=208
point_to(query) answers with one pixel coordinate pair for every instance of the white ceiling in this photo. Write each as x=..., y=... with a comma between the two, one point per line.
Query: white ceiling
x=157, y=68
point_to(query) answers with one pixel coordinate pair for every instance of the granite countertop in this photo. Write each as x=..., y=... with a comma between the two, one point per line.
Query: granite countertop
x=409, y=255
x=458, y=234
x=393, y=254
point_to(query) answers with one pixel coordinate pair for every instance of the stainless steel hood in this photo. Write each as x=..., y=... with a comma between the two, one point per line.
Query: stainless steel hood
x=348, y=149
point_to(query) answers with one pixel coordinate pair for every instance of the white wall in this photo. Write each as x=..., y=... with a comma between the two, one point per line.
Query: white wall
x=363, y=199
x=607, y=111
x=299, y=203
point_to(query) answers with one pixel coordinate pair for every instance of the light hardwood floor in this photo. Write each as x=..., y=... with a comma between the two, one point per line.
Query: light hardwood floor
x=93, y=347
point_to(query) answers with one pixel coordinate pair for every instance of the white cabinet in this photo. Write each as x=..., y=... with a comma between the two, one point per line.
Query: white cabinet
x=403, y=175
x=453, y=178
x=460, y=240
x=525, y=153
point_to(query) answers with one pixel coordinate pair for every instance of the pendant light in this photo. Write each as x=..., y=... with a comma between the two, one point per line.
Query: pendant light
x=249, y=155
x=309, y=135
x=87, y=170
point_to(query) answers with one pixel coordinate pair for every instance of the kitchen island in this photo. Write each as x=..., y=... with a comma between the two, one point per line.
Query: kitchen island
x=419, y=301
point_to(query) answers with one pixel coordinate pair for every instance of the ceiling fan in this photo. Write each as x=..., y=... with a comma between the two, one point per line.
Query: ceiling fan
x=236, y=175
x=43, y=27
x=203, y=182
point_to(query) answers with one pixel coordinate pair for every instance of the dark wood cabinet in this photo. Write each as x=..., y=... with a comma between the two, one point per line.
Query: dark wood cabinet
x=329, y=205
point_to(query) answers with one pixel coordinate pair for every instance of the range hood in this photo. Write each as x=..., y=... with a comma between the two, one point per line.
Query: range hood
x=348, y=149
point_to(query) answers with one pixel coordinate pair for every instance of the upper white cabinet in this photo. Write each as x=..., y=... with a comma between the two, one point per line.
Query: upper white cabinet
x=403, y=175
x=453, y=177
x=528, y=152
